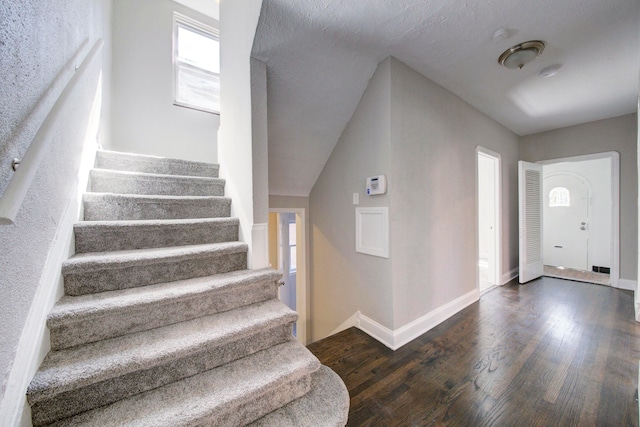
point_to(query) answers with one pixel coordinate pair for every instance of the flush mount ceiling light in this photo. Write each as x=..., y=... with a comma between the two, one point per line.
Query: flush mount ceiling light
x=519, y=55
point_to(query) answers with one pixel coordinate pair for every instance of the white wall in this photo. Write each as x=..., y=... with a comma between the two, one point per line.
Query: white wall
x=424, y=139
x=616, y=134
x=39, y=40
x=238, y=22
x=597, y=173
x=144, y=119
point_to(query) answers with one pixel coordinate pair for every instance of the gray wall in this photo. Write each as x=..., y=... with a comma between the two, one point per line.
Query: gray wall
x=424, y=139
x=434, y=135
x=343, y=281
x=617, y=134
x=143, y=118
x=37, y=39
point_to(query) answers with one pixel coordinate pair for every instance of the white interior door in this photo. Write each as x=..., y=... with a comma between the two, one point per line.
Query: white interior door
x=566, y=222
x=488, y=222
x=288, y=259
x=530, y=220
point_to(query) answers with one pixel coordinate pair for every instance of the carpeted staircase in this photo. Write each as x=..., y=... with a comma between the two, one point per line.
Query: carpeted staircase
x=162, y=324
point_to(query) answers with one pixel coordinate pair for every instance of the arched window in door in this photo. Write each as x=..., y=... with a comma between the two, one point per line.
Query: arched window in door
x=559, y=197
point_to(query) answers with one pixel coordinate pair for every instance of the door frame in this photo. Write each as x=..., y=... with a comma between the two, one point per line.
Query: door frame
x=614, y=158
x=498, y=215
x=302, y=324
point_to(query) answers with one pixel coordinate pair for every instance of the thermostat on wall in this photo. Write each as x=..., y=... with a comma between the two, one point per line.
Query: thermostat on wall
x=376, y=185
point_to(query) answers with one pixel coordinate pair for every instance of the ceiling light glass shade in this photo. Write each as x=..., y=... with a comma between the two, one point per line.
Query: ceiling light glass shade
x=518, y=56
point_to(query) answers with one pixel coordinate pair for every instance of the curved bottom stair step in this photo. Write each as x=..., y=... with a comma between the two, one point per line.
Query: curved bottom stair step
x=326, y=405
x=234, y=394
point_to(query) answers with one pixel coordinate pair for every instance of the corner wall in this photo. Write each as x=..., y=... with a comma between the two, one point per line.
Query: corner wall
x=144, y=119
x=424, y=139
x=617, y=134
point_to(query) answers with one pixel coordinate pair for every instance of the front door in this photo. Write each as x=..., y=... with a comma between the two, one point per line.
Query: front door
x=566, y=221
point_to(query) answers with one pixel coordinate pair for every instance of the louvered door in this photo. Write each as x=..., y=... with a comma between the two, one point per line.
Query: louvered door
x=530, y=208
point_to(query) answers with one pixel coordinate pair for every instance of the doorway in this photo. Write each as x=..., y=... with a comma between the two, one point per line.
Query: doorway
x=488, y=218
x=287, y=254
x=583, y=241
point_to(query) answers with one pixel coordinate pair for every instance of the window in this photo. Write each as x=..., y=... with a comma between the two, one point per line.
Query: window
x=559, y=197
x=196, y=65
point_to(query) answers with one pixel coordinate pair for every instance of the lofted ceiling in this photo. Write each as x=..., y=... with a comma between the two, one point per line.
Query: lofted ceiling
x=321, y=54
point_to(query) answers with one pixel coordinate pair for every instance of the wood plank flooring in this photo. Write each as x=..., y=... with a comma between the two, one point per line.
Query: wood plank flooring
x=548, y=353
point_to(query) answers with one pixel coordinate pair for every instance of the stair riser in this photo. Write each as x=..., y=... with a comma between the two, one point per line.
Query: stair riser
x=259, y=406
x=81, y=282
x=83, y=399
x=102, y=239
x=161, y=186
x=110, y=209
x=129, y=163
x=149, y=316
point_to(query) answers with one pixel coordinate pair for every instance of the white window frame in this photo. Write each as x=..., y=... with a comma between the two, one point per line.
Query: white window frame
x=193, y=25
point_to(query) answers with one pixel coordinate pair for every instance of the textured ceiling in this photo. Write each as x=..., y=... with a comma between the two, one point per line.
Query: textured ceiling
x=321, y=53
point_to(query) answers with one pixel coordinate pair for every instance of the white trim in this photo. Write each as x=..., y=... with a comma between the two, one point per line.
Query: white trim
x=351, y=322
x=260, y=246
x=629, y=285
x=394, y=339
x=377, y=331
x=498, y=244
x=510, y=275
x=614, y=157
x=412, y=330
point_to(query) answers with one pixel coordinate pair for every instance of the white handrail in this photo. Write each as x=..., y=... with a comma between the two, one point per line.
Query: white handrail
x=17, y=188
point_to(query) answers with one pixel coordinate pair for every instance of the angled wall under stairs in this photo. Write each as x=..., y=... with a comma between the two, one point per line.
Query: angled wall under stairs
x=162, y=324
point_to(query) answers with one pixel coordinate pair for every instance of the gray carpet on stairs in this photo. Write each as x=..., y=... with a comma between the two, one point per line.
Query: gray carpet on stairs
x=162, y=324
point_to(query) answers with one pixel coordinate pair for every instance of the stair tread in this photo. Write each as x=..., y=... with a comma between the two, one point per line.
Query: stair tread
x=137, y=175
x=327, y=404
x=115, y=160
x=121, y=259
x=151, y=197
x=77, y=308
x=80, y=366
x=208, y=395
x=141, y=223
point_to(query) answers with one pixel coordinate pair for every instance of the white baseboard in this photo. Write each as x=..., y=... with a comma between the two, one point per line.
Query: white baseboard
x=377, y=331
x=353, y=321
x=627, y=284
x=510, y=275
x=432, y=319
x=396, y=339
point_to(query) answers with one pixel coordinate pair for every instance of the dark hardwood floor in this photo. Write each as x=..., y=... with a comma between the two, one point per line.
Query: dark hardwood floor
x=549, y=353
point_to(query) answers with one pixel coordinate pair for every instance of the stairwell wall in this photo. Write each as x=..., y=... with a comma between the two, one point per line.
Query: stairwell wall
x=38, y=42
x=239, y=20
x=144, y=119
